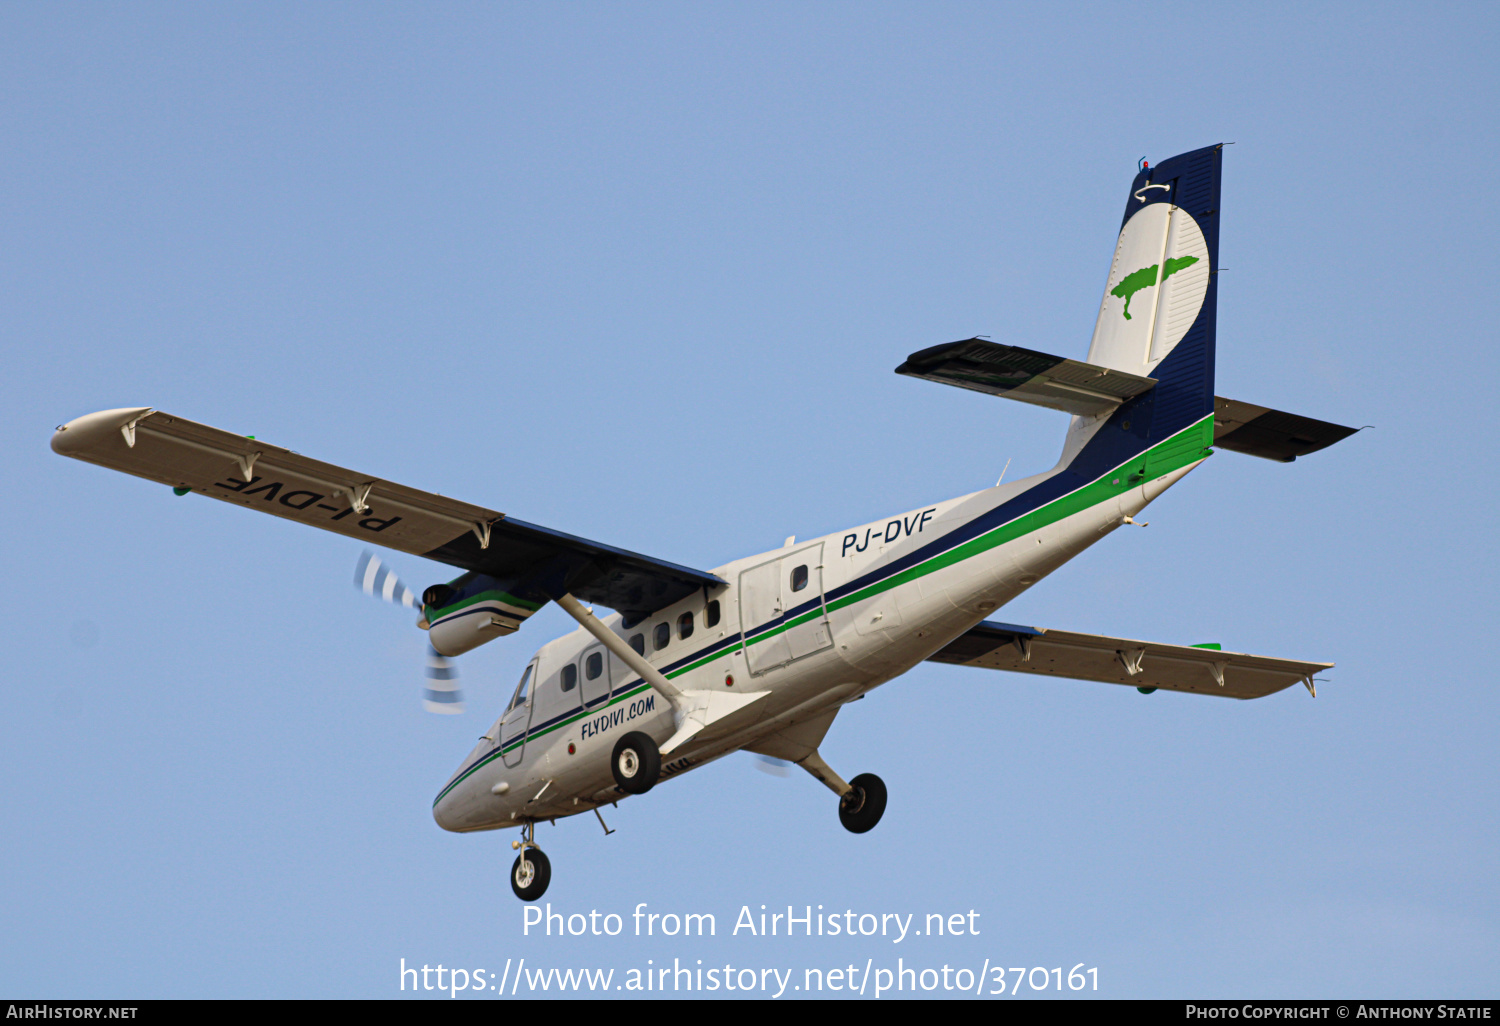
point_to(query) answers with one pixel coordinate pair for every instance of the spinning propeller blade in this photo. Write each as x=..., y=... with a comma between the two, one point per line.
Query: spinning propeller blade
x=440, y=693
x=772, y=765
x=373, y=577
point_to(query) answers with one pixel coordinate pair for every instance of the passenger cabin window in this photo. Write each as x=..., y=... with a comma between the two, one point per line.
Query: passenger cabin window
x=593, y=665
x=519, y=698
x=638, y=642
x=685, y=626
x=711, y=614
x=662, y=635
x=570, y=677
x=799, y=578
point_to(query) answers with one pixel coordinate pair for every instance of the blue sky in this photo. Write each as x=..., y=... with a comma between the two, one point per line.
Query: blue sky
x=642, y=273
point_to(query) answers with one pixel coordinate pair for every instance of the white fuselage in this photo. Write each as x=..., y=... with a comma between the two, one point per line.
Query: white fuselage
x=549, y=756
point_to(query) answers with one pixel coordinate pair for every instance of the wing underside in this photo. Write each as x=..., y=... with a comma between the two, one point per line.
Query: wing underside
x=189, y=456
x=1140, y=664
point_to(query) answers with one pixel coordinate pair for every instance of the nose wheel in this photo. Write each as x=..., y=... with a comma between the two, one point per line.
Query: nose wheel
x=531, y=872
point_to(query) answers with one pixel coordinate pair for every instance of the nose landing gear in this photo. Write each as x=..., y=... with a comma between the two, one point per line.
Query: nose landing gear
x=531, y=872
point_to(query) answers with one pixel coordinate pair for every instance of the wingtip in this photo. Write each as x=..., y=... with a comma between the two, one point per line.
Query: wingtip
x=91, y=429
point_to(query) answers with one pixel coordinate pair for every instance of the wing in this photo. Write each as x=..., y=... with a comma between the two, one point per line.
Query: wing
x=1140, y=664
x=248, y=472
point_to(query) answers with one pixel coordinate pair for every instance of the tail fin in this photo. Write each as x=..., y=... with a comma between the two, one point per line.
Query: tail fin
x=1158, y=314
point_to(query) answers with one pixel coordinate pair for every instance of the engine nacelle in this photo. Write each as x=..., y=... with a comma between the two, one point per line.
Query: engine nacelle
x=464, y=631
x=463, y=614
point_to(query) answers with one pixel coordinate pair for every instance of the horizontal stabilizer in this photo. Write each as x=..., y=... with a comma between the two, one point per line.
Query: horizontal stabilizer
x=1011, y=372
x=1271, y=434
x=1140, y=664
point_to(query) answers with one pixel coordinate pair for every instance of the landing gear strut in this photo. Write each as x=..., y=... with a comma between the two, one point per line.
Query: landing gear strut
x=531, y=872
x=861, y=800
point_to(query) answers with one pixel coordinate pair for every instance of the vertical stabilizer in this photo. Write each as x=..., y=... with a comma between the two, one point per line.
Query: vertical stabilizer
x=1158, y=312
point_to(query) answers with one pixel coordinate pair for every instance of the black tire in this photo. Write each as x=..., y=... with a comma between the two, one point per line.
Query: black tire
x=531, y=885
x=862, y=807
x=636, y=763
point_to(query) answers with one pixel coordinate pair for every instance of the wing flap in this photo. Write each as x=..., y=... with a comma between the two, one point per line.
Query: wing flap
x=1140, y=664
x=1011, y=372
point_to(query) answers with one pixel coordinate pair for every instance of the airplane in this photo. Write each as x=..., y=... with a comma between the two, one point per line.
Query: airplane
x=760, y=654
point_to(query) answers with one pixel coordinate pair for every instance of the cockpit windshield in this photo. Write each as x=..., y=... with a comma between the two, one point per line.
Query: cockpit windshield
x=521, y=689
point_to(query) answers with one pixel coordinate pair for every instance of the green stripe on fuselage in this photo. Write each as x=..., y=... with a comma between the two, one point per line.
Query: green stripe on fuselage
x=1091, y=494
x=1161, y=459
x=630, y=692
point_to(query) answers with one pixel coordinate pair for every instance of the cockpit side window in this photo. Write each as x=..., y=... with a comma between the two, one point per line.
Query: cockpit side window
x=522, y=692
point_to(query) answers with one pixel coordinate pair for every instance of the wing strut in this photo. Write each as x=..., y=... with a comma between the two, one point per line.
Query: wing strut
x=823, y=773
x=616, y=644
x=691, y=710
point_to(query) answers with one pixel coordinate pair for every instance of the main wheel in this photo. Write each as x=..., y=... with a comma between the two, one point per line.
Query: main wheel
x=862, y=807
x=636, y=763
x=530, y=874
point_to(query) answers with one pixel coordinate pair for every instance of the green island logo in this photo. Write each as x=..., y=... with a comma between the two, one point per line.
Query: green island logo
x=1146, y=277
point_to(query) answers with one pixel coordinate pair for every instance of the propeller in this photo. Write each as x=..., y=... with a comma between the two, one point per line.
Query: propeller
x=772, y=765
x=440, y=693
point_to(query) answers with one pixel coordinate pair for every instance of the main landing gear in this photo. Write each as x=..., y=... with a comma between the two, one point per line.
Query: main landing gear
x=636, y=763
x=531, y=872
x=861, y=807
x=861, y=800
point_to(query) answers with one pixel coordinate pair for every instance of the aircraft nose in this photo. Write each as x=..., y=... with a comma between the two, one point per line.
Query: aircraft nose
x=471, y=801
x=444, y=811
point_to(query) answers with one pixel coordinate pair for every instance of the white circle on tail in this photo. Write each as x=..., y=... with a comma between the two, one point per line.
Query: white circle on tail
x=1156, y=287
